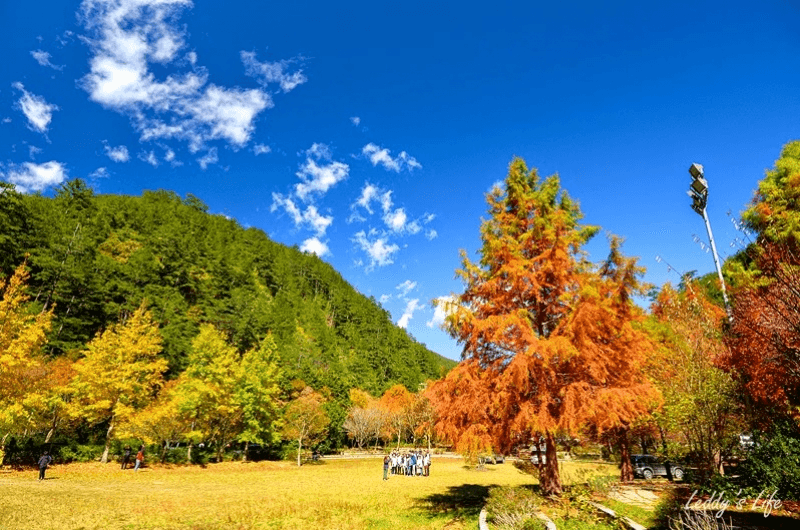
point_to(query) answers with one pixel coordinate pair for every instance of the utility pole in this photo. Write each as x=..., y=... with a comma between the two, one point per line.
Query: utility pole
x=698, y=191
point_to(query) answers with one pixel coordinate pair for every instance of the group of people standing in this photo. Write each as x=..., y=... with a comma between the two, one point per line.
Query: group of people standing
x=126, y=457
x=413, y=463
x=46, y=460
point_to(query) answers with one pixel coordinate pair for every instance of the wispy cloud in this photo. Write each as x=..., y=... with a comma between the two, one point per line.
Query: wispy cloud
x=411, y=306
x=395, y=219
x=209, y=158
x=149, y=157
x=99, y=173
x=379, y=155
x=379, y=250
x=117, y=154
x=261, y=149
x=125, y=38
x=309, y=218
x=319, y=172
x=33, y=151
x=314, y=246
x=406, y=287
x=38, y=111
x=29, y=177
x=355, y=120
x=43, y=58
x=276, y=72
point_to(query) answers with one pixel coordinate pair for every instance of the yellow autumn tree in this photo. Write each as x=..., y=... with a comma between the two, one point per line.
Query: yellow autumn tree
x=119, y=373
x=22, y=335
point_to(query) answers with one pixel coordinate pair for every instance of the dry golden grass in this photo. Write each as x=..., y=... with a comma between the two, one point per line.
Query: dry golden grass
x=341, y=494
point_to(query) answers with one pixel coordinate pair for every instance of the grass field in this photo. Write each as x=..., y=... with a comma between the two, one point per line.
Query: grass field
x=341, y=494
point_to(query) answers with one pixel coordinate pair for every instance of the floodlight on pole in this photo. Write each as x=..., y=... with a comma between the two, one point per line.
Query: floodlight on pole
x=698, y=191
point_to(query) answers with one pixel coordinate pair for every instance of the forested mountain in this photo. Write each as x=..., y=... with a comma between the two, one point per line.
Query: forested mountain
x=93, y=258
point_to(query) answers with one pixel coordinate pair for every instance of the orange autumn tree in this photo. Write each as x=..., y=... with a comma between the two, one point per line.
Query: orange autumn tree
x=395, y=402
x=550, y=342
x=764, y=338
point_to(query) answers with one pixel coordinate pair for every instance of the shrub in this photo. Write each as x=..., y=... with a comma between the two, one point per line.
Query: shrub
x=513, y=508
x=79, y=453
x=774, y=462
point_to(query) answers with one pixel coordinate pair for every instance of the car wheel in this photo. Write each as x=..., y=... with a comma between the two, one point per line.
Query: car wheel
x=647, y=473
x=677, y=474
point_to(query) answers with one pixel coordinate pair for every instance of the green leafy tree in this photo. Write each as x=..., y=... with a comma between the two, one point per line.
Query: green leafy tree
x=701, y=400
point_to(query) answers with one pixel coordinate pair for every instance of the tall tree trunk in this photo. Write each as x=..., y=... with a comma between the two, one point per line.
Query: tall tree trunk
x=549, y=478
x=104, y=458
x=189, y=453
x=299, y=450
x=52, y=429
x=244, y=453
x=625, y=467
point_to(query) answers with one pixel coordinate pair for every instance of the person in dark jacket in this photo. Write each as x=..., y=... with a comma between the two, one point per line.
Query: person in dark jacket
x=126, y=457
x=44, y=461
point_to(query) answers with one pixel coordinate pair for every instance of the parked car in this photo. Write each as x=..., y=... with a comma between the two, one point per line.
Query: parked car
x=649, y=466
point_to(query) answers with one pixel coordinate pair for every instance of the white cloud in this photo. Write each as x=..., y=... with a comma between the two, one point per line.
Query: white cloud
x=266, y=73
x=118, y=153
x=33, y=151
x=169, y=155
x=149, y=157
x=411, y=306
x=355, y=120
x=385, y=298
x=315, y=246
x=406, y=287
x=443, y=306
x=431, y=234
x=382, y=156
x=99, y=173
x=43, y=58
x=395, y=219
x=209, y=158
x=379, y=250
x=261, y=149
x=125, y=38
x=368, y=194
x=29, y=177
x=6, y=120
x=38, y=111
x=310, y=218
x=319, y=173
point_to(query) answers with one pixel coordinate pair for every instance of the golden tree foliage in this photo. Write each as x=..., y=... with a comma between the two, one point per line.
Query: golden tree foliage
x=119, y=373
x=22, y=335
x=305, y=419
x=395, y=402
x=550, y=342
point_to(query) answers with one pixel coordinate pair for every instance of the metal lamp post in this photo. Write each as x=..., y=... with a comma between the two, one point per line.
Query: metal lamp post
x=698, y=191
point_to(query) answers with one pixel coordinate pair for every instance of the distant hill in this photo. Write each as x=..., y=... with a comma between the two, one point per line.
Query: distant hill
x=94, y=257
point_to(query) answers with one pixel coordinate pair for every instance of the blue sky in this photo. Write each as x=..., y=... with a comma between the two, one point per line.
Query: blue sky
x=369, y=133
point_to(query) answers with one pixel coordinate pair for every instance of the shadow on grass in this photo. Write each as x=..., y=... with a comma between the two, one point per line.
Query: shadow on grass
x=462, y=501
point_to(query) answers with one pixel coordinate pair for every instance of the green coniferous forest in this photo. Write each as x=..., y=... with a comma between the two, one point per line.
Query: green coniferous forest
x=94, y=258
